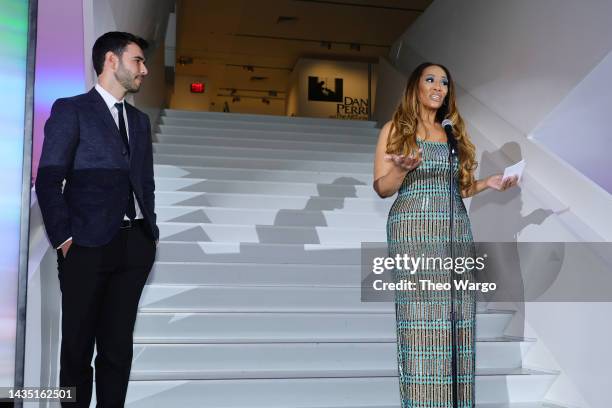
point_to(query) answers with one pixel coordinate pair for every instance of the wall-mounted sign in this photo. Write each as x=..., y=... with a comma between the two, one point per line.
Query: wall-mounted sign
x=352, y=108
x=324, y=89
x=197, y=87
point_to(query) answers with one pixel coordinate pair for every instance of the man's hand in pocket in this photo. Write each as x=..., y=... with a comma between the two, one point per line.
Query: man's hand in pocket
x=66, y=247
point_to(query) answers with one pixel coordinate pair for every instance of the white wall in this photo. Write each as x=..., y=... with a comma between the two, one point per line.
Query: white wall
x=515, y=63
x=579, y=129
x=519, y=57
x=389, y=90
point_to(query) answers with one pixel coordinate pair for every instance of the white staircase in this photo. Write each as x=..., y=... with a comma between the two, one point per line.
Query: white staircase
x=254, y=300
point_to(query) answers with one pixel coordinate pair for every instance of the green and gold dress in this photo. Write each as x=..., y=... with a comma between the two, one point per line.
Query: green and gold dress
x=418, y=225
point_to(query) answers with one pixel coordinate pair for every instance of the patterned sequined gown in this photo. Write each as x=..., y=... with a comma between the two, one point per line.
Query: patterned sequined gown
x=418, y=225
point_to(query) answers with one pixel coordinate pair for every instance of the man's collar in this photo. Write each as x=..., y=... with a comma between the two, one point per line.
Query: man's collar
x=109, y=99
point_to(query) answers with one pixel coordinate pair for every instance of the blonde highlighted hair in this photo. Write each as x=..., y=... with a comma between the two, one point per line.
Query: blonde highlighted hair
x=402, y=136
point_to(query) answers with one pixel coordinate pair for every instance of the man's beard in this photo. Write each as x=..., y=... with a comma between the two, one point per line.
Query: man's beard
x=127, y=79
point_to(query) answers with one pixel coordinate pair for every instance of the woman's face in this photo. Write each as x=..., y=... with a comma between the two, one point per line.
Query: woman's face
x=433, y=87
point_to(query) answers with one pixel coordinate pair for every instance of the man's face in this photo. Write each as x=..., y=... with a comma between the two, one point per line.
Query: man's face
x=131, y=69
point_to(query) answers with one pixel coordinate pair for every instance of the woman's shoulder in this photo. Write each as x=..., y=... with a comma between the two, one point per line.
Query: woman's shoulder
x=386, y=128
x=383, y=134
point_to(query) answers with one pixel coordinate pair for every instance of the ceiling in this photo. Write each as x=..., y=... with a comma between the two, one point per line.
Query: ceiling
x=218, y=38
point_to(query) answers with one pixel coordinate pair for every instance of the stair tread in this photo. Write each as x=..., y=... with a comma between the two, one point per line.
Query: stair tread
x=250, y=152
x=299, y=370
x=240, y=169
x=251, y=162
x=315, y=128
x=348, y=392
x=354, y=164
x=286, y=227
x=264, y=182
x=264, y=210
x=314, y=146
x=230, y=116
x=245, y=195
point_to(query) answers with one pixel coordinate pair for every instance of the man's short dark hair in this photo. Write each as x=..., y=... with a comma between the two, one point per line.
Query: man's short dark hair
x=114, y=41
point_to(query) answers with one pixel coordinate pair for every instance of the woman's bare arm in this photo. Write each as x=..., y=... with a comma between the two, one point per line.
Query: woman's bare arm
x=390, y=169
x=495, y=182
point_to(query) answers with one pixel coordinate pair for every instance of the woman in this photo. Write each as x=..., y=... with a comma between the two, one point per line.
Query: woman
x=412, y=158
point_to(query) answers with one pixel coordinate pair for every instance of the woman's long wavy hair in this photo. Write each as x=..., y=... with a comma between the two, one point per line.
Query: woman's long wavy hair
x=402, y=136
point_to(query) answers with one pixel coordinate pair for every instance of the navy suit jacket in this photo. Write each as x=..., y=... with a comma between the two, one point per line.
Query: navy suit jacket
x=83, y=146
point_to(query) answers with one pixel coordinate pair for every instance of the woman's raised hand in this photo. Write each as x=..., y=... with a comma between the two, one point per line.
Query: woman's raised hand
x=497, y=182
x=405, y=163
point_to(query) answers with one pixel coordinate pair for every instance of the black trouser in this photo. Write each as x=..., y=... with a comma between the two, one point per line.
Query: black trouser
x=101, y=288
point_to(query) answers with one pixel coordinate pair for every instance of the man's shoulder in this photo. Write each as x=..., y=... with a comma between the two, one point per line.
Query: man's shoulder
x=74, y=101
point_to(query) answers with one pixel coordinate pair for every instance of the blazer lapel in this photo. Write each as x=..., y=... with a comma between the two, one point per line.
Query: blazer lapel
x=131, y=116
x=100, y=107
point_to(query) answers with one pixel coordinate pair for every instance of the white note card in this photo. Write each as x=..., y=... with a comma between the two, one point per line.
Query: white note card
x=514, y=170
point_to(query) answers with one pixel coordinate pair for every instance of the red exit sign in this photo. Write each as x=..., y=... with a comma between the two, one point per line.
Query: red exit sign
x=197, y=87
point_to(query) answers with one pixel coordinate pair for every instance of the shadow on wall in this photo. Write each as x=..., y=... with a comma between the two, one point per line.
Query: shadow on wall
x=497, y=218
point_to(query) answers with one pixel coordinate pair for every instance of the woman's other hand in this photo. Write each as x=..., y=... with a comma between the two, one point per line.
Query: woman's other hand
x=497, y=182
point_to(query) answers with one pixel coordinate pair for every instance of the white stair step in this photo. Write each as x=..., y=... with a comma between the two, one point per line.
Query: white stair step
x=238, y=151
x=379, y=392
x=270, y=327
x=515, y=385
x=518, y=405
x=297, y=176
x=493, y=322
x=280, y=299
x=254, y=274
x=262, y=142
x=263, y=163
x=250, y=252
x=270, y=126
x=276, y=202
x=191, y=232
x=219, y=215
x=245, y=117
x=283, y=360
x=492, y=386
x=264, y=187
x=280, y=135
x=191, y=299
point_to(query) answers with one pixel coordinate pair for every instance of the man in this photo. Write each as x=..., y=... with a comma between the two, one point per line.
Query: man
x=103, y=223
